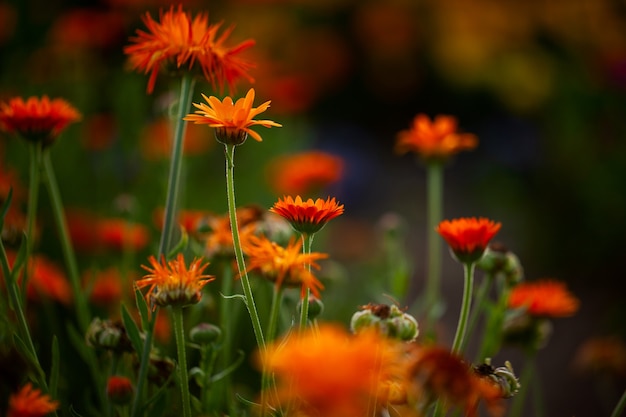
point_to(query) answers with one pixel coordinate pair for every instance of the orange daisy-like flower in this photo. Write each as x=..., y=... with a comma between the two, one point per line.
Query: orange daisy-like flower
x=305, y=172
x=468, y=237
x=436, y=140
x=172, y=283
x=30, y=402
x=37, y=119
x=283, y=265
x=119, y=389
x=545, y=298
x=330, y=372
x=438, y=374
x=179, y=41
x=308, y=216
x=232, y=121
x=118, y=234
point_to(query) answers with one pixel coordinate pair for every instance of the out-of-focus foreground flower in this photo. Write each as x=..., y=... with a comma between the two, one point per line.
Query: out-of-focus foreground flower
x=30, y=402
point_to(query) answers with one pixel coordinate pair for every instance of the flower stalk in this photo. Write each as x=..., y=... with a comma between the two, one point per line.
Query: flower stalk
x=307, y=243
x=179, y=335
x=36, y=150
x=434, y=214
x=465, y=306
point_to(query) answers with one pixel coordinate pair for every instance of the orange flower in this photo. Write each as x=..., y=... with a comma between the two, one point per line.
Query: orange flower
x=304, y=172
x=308, y=216
x=545, y=298
x=330, y=372
x=156, y=140
x=119, y=389
x=283, y=265
x=468, y=237
x=118, y=234
x=231, y=120
x=178, y=41
x=37, y=119
x=30, y=402
x=106, y=286
x=219, y=240
x=602, y=355
x=172, y=283
x=438, y=374
x=435, y=140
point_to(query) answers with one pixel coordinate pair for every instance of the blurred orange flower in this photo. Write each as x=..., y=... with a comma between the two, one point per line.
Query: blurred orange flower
x=118, y=234
x=156, y=140
x=283, y=265
x=308, y=216
x=305, y=172
x=468, y=237
x=232, y=121
x=544, y=298
x=105, y=28
x=37, y=119
x=119, y=389
x=605, y=354
x=177, y=40
x=329, y=372
x=173, y=283
x=30, y=402
x=435, y=140
x=106, y=287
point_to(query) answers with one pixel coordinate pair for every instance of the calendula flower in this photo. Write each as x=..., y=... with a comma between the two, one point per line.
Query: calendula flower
x=37, y=119
x=438, y=374
x=283, y=265
x=231, y=121
x=308, y=216
x=332, y=373
x=179, y=42
x=436, y=140
x=105, y=288
x=468, y=237
x=156, y=140
x=30, y=402
x=119, y=389
x=304, y=172
x=173, y=283
x=544, y=298
x=118, y=234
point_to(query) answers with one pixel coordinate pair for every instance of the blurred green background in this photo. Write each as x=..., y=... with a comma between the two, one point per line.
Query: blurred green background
x=541, y=83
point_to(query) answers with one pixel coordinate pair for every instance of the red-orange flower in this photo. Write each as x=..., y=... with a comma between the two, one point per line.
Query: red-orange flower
x=119, y=389
x=544, y=298
x=435, y=140
x=106, y=287
x=30, y=402
x=438, y=374
x=178, y=41
x=468, y=237
x=308, y=216
x=173, y=283
x=37, y=119
x=283, y=265
x=232, y=121
x=118, y=234
x=304, y=172
x=329, y=372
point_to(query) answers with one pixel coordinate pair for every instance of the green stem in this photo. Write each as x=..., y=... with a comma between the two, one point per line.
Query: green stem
x=144, y=363
x=173, y=183
x=525, y=380
x=277, y=298
x=434, y=214
x=479, y=301
x=465, y=307
x=227, y=325
x=493, y=330
x=82, y=308
x=31, y=214
x=179, y=334
x=307, y=243
x=241, y=265
x=619, y=407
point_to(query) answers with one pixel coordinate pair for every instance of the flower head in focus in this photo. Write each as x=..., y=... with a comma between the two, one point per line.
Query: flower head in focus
x=544, y=298
x=178, y=41
x=30, y=402
x=231, y=120
x=332, y=373
x=434, y=140
x=37, y=119
x=468, y=237
x=305, y=172
x=308, y=216
x=283, y=265
x=173, y=283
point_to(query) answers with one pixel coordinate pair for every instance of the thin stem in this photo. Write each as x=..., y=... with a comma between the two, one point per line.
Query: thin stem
x=307, y=243
x=525, y=381
x=465, y=307
x=82, y=308
x=434, y=214
x=31, y=214
x=619, y=407
x=143, y=364
x=227, y=326
x=179, y=334
x=479, y=301
x=277, y=298
x=173, y=183
x=241, y=265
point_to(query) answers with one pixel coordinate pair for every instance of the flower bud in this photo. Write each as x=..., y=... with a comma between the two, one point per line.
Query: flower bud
x=526, y=331
x=501, y=263
x=107, y=335
x=316, y=307
x=119, y=390
x=205, y=333
x=389, y=320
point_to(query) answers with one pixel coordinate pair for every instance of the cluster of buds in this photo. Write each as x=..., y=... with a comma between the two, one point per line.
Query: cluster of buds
x=388, y=320
x=501, y=263
x=108, y=335
x=502, y=376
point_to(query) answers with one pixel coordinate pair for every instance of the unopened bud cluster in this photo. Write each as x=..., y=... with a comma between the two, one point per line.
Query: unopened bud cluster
x=109, y=335
x=502, y=264
x=389, y=320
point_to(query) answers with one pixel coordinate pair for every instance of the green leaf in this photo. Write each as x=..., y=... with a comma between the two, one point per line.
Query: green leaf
x=246, y=401
x=5, y=207
x=29, y=356
x=231, y=368
x=132, y=330
x=181, y=245
x=54, y=367
x=78, y=341
x=240, y=296
x=158, y=396
x=144, y=312
x=73, y=412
